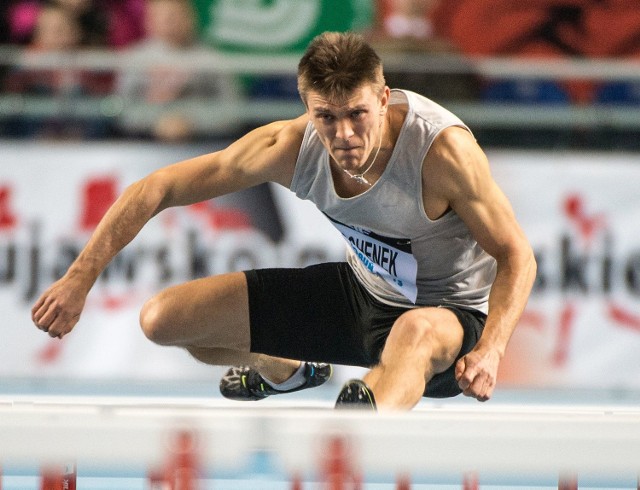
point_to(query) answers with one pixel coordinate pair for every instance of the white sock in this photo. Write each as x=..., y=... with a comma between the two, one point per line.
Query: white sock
x=296, y=380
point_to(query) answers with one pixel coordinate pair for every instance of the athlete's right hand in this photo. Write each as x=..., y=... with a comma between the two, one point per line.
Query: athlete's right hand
x=58, y=309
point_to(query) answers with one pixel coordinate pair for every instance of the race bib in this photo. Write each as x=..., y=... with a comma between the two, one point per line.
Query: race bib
x=388, y=257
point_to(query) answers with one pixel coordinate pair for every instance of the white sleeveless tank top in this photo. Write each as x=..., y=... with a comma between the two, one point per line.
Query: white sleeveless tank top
x=400, y=255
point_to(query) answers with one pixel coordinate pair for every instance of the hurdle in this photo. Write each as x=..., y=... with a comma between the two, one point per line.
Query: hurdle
x=511, y=445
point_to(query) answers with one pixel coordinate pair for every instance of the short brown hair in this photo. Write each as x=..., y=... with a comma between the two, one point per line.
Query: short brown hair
x=335, y=64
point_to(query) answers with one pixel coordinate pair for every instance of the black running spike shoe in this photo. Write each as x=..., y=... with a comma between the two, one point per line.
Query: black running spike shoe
x=244, y=383
x=356, y=394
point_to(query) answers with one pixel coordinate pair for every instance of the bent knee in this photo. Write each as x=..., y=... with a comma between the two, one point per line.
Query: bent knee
x=413, y=327
x=435, y=333
x=154, y=322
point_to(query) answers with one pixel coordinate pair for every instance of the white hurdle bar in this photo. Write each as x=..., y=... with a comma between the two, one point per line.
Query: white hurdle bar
x=502, y=441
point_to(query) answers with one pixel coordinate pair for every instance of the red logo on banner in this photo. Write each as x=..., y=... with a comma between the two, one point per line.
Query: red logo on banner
x=50, y=353
x=623, y=318
x=97, y=196
x=8, y=219
x=586, y=225
x=221, y=218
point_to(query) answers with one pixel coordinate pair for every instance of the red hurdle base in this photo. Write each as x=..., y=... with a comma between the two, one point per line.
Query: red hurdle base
x=568, y=483
x=54, y=477
x=470, y=482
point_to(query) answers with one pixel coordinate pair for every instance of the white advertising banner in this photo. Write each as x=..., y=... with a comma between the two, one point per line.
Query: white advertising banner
x=51, y=198
x=580, y=211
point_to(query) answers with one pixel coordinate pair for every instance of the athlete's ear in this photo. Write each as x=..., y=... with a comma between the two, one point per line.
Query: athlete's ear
x=384, y=99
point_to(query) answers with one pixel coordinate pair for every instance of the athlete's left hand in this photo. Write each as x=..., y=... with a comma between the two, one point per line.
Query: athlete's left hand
x=477, y=372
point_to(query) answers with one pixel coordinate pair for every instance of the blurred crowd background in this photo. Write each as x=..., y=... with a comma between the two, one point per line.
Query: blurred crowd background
x=184, y=70
x=95, y=94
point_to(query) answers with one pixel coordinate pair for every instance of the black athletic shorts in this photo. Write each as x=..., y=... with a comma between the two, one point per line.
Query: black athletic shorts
x=322, y=313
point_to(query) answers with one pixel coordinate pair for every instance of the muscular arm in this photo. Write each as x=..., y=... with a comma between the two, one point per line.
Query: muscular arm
x=457, y=175
x=265, y=154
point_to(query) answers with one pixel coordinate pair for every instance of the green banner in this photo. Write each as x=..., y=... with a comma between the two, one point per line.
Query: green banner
x=277, y=26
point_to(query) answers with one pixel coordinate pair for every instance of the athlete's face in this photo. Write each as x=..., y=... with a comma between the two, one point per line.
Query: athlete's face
x=350, y=129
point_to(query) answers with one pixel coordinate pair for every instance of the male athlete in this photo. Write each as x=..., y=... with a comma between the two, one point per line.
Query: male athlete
x=437, y=271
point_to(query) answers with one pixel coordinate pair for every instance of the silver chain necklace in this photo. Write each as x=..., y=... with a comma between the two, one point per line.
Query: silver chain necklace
x=360, y=178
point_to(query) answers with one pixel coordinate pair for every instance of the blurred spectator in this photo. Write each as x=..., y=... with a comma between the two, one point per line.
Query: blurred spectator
x=56, y=29
x=23, y=20
x=21, y=17
x=57, y=35
x=91, y=19
x=408, y=19
x=125, y=22
x=166, y=88
x=112, y=23
x=407, y=26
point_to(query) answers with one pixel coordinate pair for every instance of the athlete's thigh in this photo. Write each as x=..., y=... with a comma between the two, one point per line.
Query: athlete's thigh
x=208, y=312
